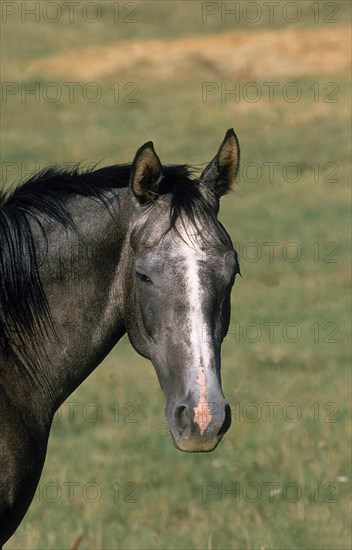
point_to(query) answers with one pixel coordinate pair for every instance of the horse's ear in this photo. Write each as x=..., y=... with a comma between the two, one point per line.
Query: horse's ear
x=146, y=173
x=220, y=174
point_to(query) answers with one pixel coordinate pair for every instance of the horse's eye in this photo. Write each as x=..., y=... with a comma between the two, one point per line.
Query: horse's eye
x=142, y=277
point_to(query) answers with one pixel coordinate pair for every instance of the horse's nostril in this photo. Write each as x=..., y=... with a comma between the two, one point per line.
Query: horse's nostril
x=181, y=416
x=227, y=420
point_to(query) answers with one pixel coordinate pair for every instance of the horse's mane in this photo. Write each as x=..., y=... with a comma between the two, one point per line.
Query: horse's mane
x=24, y=310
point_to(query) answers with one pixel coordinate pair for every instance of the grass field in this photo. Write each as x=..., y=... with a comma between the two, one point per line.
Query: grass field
x=281, y=477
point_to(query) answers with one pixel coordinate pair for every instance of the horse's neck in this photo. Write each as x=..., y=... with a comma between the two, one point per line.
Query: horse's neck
x=83, y=277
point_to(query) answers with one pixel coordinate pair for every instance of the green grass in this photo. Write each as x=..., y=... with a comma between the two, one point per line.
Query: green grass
x=151, y=19
x=151, y=495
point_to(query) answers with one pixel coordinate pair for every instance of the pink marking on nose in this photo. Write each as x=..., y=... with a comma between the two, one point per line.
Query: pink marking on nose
x=202, y=414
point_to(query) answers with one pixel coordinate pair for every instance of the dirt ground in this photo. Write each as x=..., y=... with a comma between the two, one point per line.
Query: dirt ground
x=242, y=54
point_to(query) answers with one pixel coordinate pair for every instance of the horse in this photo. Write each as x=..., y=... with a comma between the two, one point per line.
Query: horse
x=87, y=256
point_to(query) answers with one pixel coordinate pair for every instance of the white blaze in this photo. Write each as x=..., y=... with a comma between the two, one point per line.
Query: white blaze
x=200, y=356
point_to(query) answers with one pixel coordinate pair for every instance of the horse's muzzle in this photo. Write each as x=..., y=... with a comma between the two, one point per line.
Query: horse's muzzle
x=199, y=428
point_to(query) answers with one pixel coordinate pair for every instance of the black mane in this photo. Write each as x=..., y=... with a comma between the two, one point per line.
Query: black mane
x=24, y=310
x=47, y=191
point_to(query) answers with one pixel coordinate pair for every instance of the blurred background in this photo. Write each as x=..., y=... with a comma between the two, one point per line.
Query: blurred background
x=91, y=82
